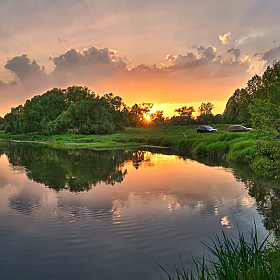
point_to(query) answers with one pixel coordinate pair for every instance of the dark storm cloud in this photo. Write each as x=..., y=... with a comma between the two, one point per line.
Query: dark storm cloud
x=235, y=52
x=93, y=58
x=270, y=56
x=207, y=55
x=23, y=68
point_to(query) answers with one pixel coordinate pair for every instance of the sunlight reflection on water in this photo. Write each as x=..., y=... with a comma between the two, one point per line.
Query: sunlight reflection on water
x=161, y=207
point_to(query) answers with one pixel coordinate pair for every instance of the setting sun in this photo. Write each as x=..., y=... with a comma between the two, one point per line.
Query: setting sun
x=147, y=117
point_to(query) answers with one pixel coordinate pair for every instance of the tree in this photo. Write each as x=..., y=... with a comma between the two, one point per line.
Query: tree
x=269, y=89
x=185, y=117
x=60, y=110
x=12, y=120
x=205, y=113
x=157, y=118
x=83, y=117
x=77, y=93
x=265, y=109
x=117, y=108
x=206, y=108
x=137, y=113
x=265, y=116
x=236, y=110
x=185, y=111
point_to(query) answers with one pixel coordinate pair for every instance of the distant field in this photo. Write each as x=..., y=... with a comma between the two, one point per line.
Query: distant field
x=164, y=136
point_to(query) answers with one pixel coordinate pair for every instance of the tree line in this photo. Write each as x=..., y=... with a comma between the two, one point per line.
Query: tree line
x=79, y=110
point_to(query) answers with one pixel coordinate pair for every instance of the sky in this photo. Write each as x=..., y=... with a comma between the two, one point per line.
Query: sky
x=171, y=53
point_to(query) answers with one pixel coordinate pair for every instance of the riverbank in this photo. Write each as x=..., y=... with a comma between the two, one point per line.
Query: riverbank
x=250, y=148
x=245, y=150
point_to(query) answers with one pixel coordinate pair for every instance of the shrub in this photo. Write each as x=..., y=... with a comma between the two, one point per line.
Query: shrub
x=266, y=167
x=200, y=149
x=218, y=149
x=242, y=156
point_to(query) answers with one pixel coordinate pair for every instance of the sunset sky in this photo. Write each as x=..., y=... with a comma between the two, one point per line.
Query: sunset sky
x=171, y=53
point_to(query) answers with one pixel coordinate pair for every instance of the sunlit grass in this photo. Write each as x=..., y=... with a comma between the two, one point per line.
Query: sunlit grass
x=235, y=148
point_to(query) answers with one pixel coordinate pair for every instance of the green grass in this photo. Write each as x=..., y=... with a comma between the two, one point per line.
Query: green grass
x=248, y=148
x=233, y=258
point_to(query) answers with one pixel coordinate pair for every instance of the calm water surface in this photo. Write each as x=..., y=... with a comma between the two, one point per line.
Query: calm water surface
x=111, y=215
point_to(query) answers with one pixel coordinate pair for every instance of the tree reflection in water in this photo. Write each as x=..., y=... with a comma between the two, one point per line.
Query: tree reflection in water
x=80, y=170
x=266, y=193
x=76, y=170
x=141, y=157
x=267, y=197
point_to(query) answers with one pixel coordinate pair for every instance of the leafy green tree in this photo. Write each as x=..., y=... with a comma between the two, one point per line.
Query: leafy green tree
x=218, y=118
x=2, y=123
x=77, y=93
x=236, y=110
x=265, y=116
x=75, y=108
x=265, y=108
x=84, y=117
x=118, y=109
x=269, y=89
x=12, y=120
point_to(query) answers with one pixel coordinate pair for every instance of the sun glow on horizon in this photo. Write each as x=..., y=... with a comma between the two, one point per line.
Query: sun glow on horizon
x=168, y=108
x=147, y=117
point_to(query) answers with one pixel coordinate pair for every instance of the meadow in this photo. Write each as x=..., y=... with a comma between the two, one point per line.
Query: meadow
x=251, y=148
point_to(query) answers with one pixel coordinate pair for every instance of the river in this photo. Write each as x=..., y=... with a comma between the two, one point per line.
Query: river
x=82, y=214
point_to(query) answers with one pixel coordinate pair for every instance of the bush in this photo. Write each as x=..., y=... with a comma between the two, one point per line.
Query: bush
x=240, y=145
x=218, y=149
x=266, y=167
x=242, y=156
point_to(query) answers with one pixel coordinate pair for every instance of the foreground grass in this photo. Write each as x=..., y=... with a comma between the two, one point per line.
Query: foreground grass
x=233, y=258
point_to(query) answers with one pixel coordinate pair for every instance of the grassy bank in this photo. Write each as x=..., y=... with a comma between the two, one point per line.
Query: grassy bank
x=248, y=148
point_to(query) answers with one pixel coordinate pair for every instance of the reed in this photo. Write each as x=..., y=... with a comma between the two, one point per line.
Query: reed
x=233, y=258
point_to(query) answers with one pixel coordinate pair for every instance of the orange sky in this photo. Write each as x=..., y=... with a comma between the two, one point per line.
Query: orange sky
x=178, y=53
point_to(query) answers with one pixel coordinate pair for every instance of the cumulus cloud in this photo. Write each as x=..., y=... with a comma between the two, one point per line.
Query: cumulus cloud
x=225, y=38
x=73, y=60
x=270, y=56
x=24, y=68
x=190, y=60
x=235, y=52
x=144, y=68
x=103, y=70
x=181, y=59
